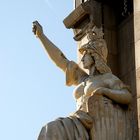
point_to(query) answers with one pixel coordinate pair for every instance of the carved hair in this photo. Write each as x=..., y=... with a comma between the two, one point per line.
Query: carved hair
x=100, y=64
x=98, y=50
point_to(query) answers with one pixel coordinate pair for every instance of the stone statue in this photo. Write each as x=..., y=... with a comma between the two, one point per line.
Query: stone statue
x=99, y=81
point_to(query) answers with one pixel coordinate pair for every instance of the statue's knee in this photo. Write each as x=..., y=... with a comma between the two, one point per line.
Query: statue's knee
x=47, y=131
x=50, y=127
x=42, y=135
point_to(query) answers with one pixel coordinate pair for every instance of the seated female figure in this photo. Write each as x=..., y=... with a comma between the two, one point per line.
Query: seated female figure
x=99, y=80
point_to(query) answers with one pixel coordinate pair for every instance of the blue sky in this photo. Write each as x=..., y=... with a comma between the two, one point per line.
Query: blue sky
x=32, y=88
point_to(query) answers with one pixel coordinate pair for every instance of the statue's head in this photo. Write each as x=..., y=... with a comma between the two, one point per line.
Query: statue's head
x=96, y=48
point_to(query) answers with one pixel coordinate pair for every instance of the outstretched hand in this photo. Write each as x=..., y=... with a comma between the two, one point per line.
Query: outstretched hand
x=37, y=29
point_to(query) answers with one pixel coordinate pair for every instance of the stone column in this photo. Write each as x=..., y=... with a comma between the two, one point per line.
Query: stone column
x=137, y=53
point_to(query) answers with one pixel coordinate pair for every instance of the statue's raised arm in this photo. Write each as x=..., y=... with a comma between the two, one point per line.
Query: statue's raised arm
x=74, y=74
x=55, y=53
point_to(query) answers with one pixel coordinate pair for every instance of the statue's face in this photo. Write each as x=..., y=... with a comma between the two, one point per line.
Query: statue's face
x=87, y=60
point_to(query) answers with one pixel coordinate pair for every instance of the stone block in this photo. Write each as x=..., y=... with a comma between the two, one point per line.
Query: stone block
x=126, y=53
x=138, y=82
x=126, y=58
x=130, y=80
x=75, y=16
x=138, y=103
x=110, y=37
x=126, y=61
x=109, y=17
x=137, y=25
x=113, y=64
x=137, y=54
x=125, y=39
x=136, y=5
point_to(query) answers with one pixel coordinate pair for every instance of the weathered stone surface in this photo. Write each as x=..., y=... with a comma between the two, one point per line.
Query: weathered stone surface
x=138, y=82
x=110, y=37
x=137, y=54
x=109, y=17
x=138, y=102
x=126, y=51
x=130, y=79
x=74, y=17
x=113, y=63
x=136, y=6
x=111, y=122
x=137, y=25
